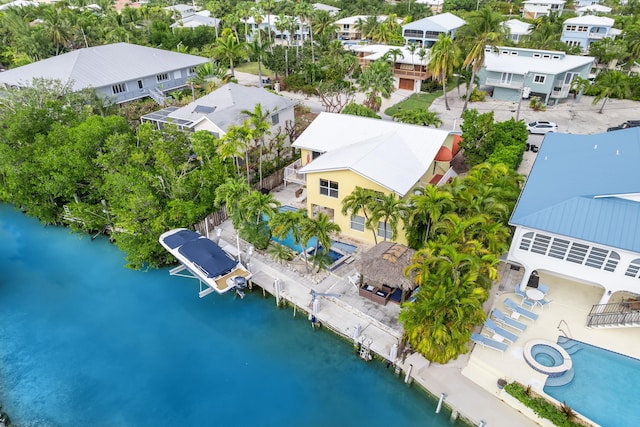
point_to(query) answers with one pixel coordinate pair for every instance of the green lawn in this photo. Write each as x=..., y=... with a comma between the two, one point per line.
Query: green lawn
x=252, y=68
x=417, y=101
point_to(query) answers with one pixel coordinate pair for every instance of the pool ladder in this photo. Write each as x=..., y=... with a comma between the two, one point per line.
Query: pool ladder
x=365, y=348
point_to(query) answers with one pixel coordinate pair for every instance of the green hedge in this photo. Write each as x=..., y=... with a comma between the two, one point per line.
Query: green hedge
x=542, y=407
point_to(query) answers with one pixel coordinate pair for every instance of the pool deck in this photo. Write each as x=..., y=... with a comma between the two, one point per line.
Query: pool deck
x=379, y=326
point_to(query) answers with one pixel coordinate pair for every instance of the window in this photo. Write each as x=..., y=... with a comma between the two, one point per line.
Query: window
x=329, y=188
x=191, y=71
x=536, y=55
x=119, y=88
x=570, y=28
x=384, y=231
x=504, y=52
x=357, y=223
x=505, y=78
x=275, y=119
x=539, y=78
x=573, y=43
x=546, y=56
x=162, y=77
x=555, y=57
x=634, y=268
x=514, y=53
x=583, y=28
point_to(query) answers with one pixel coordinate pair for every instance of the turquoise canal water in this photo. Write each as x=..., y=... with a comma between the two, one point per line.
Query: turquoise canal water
x=87, y=342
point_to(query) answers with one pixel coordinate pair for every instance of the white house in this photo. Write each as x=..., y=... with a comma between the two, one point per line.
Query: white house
x=197, y=19
x=534, y=9
x=584, y=30
x=333, y=11
x=182, y=10
x=578, y=215
x=425, y=31
x=347, y=28
x=435, y=5
x=409, y=69
x=223, y=107
x=518, y=29
x=593, y=9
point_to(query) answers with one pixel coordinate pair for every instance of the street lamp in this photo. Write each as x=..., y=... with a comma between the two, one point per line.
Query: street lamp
x=524, y=80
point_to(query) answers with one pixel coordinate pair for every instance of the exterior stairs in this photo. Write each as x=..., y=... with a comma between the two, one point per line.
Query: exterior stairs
x=157, y=95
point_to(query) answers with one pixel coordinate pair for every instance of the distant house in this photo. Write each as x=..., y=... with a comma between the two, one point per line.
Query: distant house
x=182, y=10
x=341, y=152
x=409, y=69
x=584, y=30
x=120, y=72
x=268, y=23
x=333, y=11
x=223, y=107
x=425, y=32
x=435, y=5
x=197, y=19
x=582, y=3
x=18, y=3
x=518, y=30
x=513, y=72
x=534, y=9
x=347, y=28
x=579, y=214
x=593, y=9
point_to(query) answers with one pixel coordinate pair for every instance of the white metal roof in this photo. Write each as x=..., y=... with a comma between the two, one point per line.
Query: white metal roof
x=102, y=66
x=442, y=23
x=353, y=19
x=377, y=51
x=325, y=7
x=591, y=20
x=391, y=154
x=519, y=64
x=543, y=2
x=516, y=26
x=598, y=8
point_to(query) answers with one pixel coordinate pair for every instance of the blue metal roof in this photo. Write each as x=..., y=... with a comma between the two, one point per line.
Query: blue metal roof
x=571, y=174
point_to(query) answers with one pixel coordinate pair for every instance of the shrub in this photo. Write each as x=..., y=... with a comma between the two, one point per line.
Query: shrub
x=477, y=95
x=543, y=408
x=535, y=103
x=359, y=110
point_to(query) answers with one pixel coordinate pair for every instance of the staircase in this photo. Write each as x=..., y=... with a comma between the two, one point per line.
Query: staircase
x=157, y=95
x=616, y=315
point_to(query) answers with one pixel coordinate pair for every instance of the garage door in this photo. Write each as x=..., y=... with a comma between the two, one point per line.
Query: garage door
x=406, y=84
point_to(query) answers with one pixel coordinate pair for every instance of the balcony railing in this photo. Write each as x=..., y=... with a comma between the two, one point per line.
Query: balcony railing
x=623, y=314
x=562, y=93
x=291, y=174
x=414, y=74
x=597, y=36
x=513, y=83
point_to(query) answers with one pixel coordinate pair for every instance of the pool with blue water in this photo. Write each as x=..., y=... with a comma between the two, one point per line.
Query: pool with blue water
x=86, y=342
x=604, y=386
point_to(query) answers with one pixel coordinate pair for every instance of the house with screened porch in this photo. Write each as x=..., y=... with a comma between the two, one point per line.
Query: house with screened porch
x=578, y=217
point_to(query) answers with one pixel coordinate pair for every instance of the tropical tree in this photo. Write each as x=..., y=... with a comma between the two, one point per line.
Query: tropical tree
x=256, y=50
x=231, y=194
x=258, y=206
x=321, y=227
x=387, y=210
x=235, y=143
x=290, y=223
x=425, y=206
x=394, y=54
x=611, y=83
x=418, y=117
x=228, y=48
x=305, y=13
x=361, y=200
x=376, y=80
x=260, y=126
x=444, y=57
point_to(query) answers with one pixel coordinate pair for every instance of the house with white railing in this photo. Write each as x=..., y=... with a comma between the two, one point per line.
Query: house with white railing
x=425, y=32
x=509, y=73
x=534, y=9
x=578, y=217
x=583, y=30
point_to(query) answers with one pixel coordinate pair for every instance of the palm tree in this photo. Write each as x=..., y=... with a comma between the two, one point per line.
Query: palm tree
x=290, y=222
x=377, y=79
x=444, y=57
x=578, y=85
x=228, y=48
x=394, y=53
x=243, y=11
x=323, y=24
x=231, y=194
x=256, y=50
x=305, y=12
x=360, y=199
x=426, y=206
x=417, y=117
x=55, y=22
x=485, y=27
x=387, y=210
x=611, y=83
x=322, y=228
x=260, y=129
x=257, y=205
x=267, y=6
x=235, y=143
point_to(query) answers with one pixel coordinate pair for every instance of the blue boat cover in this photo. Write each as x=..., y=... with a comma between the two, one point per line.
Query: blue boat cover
x=208, y=256
x=180, y=238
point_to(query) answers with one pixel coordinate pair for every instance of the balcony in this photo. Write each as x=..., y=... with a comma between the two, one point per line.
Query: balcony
x=597, y=36
x=291, y=174
x=411, y=74
x=617, y=315
x=513, y=83
x=563, y=92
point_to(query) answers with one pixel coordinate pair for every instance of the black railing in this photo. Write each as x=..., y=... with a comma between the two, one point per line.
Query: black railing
x=616, y=314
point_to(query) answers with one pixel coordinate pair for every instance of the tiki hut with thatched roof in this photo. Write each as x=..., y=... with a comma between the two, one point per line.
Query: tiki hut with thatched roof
x=381, y=271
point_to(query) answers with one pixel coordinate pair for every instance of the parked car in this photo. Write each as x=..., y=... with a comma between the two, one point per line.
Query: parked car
x=625, y=125
x=542, y=127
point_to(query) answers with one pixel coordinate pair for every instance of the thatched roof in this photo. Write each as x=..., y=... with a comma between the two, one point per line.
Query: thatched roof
x=384, y=264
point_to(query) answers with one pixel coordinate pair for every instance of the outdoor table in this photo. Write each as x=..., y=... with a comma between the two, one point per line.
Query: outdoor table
x=535, y=294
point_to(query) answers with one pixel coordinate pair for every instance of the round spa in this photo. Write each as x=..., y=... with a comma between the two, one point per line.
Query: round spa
x=547, y=357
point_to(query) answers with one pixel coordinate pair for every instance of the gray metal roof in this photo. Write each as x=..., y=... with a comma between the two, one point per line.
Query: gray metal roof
x=102, y=66
x=228, y=101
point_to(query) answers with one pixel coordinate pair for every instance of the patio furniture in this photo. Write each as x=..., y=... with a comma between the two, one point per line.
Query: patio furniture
x=500, y=332
x=520, y=293
x=374, y=294
x=488, y=342
x=354, y=279
x=505, y=320
x=543, y=288
x=543, y=302
x=517, y=311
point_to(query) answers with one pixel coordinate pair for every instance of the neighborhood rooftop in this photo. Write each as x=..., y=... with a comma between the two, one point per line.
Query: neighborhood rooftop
x=393, y=155
x=587, y=187
x=101, y=66
x=443, y=22
x=520, y=64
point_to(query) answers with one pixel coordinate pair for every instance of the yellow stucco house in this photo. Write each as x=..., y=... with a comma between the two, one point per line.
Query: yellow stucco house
x=340, y=152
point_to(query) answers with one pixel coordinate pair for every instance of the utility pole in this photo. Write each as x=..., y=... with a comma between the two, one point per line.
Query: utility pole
x=524, y=80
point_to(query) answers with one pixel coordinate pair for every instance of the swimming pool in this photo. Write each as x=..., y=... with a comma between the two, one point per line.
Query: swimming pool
x=604, y=385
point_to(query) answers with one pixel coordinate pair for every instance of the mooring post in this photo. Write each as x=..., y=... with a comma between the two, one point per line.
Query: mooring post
x=439, y=407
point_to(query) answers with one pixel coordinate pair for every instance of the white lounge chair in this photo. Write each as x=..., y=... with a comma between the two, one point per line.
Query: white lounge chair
x=354, y=279
x=488, y=342
x=493, y=327
x=515, y=308
x=505, y=320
